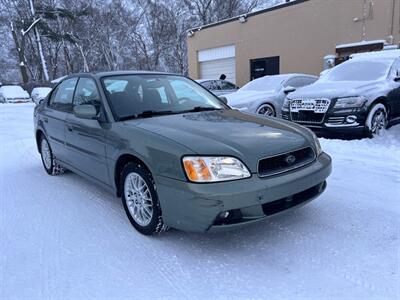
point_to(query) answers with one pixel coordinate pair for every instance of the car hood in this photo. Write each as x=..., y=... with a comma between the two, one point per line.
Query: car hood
x=229, y=132
x=15, y=95
x=335, y=89
x=241, y=98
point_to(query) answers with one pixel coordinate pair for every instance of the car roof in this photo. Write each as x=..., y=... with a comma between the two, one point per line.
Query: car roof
x=373, y=59
x=389, y=54
x=101, y=74
x=204, y=80
x=289, y=75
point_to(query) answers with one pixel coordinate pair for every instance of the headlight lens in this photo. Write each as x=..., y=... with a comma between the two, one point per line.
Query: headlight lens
x=214, y=169
x=350, y=102
x=285, y=105
x=317, y=144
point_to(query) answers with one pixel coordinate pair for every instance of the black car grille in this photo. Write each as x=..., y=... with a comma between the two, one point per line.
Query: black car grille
x=307, y=117
x=285, y=162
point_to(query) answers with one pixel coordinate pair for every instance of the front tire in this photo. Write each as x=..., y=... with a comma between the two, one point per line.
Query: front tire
x=266, y=110
x=49, y=163
x=140, y=199
x=377, y=120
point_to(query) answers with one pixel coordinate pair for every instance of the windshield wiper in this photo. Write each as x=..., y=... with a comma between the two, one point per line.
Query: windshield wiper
x=202, y=108
x=152, y=113
x=147, y=114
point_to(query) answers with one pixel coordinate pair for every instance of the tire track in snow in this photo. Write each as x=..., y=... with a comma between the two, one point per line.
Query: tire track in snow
x=163, y=266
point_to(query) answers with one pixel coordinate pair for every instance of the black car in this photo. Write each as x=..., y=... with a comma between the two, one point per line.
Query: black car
x=359, y=96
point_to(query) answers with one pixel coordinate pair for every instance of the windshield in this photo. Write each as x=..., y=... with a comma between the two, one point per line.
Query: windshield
x=267, y=83
x=145, y=95
x=358, y=71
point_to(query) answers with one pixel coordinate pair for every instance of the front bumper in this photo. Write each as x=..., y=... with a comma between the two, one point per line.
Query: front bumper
x=335, y=121
x=22, y=100
x=196, y=207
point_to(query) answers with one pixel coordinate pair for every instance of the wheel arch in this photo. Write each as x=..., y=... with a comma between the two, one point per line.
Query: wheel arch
x=381, y=99
x=38, y=136
x=122, y=160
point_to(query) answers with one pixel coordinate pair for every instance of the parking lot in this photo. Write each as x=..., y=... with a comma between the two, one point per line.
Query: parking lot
x=63, y=237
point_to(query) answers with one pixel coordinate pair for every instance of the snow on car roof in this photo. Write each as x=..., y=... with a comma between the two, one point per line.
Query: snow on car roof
x=57, y=80
x=362, y=43
x=13, y=90
x=389, y=54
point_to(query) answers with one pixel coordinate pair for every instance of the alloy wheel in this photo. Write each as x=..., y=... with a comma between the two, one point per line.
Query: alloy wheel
x=138, y=199
x=379, y=122
x=266, y=110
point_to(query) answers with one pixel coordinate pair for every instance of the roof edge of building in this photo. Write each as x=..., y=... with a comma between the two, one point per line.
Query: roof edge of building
x=250, y=14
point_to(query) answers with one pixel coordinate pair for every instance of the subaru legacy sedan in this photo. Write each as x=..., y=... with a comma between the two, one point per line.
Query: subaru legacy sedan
x=177, y=155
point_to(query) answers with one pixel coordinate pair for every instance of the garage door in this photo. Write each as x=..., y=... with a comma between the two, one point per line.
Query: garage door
x=216, y=61
x=214, y=68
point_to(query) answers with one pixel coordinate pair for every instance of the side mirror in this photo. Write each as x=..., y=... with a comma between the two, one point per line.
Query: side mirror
x=223, y=99
x=289, y=89
x=86, y=111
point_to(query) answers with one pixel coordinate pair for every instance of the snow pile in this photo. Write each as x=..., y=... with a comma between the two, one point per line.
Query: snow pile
x=65, y=238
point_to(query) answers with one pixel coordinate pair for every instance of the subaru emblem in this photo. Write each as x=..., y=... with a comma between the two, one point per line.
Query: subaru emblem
x=290, y=159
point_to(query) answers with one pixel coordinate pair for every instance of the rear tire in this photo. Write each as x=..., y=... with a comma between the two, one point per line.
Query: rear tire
x=377, y=120
x=49, y=162
x=140, y=199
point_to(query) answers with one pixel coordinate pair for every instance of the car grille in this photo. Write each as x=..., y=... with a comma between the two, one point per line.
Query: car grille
x=315, y=105
x=309, y=111
x=285, y=162
x=307, y=117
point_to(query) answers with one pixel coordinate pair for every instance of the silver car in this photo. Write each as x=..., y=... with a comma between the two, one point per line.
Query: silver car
x=265, y=95
x=218, y=87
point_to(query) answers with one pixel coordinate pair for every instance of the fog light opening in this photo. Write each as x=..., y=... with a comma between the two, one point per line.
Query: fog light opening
x=351, y=119
x=224, y=215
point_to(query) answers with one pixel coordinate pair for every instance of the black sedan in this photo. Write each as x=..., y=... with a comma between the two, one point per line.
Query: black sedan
x=358, y=96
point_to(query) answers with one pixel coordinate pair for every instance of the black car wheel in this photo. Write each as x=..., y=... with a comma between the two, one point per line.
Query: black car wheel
x=49, y=163
x=140, y=200
x=377, y=120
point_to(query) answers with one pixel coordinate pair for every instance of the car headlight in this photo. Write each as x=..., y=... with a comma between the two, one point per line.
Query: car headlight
x=350, y=102
x=317, y=144
x=286, y=103
x=214, y=169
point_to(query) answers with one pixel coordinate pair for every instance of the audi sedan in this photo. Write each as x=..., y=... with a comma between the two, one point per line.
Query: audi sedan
x=361, y=95
x=177, y=155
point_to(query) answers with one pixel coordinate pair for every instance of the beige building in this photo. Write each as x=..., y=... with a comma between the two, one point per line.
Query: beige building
x=292, y=37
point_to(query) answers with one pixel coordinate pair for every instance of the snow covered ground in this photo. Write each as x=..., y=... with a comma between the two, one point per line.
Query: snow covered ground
x=65, y=238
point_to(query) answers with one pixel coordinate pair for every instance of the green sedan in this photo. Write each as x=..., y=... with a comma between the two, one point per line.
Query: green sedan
x=177, y=155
